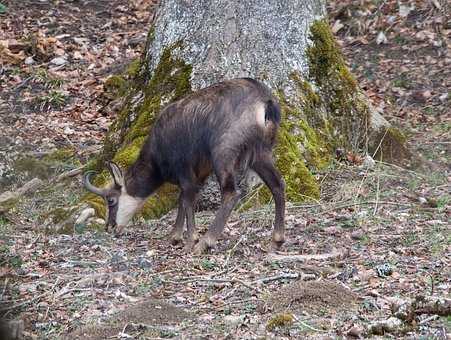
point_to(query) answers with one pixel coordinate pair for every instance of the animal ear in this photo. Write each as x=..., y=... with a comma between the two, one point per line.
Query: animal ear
x=116, y=173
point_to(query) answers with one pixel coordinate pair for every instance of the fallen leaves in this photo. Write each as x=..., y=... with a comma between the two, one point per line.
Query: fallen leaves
x=403, y=64
x=33, y=55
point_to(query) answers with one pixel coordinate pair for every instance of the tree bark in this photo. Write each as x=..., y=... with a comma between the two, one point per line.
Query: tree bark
x=285, y=43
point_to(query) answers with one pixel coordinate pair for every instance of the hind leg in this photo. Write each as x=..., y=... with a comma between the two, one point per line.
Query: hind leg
x=264, y=167
x=230, y=197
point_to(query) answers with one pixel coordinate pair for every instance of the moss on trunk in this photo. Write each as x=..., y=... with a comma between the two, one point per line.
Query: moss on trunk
x=144, y=99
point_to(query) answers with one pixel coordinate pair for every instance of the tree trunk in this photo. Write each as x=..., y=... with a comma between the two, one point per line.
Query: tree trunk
x=288, y=45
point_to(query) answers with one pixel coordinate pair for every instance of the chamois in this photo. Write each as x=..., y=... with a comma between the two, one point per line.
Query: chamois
x=226, y=127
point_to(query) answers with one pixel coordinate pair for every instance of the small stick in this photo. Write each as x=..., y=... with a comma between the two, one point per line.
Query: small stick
x=241, y=282
x=431, y=318
x=279, y=277
x=307, y=325
x=231, y=252
x=4, y=287
x=377, y=195
x=304, y=258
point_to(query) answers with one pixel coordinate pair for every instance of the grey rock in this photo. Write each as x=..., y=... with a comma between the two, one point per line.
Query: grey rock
x=58, y=61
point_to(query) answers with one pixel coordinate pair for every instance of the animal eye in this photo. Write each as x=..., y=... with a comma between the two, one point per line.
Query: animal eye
x=111, y=200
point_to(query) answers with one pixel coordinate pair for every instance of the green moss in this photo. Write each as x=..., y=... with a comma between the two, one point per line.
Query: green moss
x=309, y=98
x=325, y=57
x=116, y=86
x=170, y=81
x=128, y=154
x=171, y=77
x=347, y=114
x=279, y=321
x=300, y=183
x=133, y=68
x=97, y=203
x=161, y=202
x=312, y=146
x=146, y=117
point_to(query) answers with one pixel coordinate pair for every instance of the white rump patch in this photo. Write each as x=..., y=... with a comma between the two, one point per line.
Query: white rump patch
x=260, y=114
x=127, y=206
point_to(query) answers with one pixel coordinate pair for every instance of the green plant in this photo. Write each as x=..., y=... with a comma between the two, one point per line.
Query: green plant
x=409, y=239
x=53, y=98
x=443, y=201
x=403, y=81
x=41, y=76
x=3, y=8
x=206, y=264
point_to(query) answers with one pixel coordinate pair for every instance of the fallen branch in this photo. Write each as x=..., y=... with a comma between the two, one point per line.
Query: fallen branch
x=304, y=258
x=389, y=325
x=407, y=310
x=241, y=282
x=28, y=187
x=302, y=276
x=71, y=173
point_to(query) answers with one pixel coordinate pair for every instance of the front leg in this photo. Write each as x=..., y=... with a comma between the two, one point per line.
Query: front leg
x=176, y=234
x=189, y=199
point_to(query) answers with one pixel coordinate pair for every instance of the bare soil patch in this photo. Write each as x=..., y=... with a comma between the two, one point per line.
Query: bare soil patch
x=147, y=316
x=313, y=297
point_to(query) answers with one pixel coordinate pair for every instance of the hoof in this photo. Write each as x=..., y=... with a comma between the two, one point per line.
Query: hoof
x=118, y=231
x=200, y=248
x=188, y=248
x=175, y=236
x=275, y=246
x=278, y=240
x=195, y=237
x=175, y=240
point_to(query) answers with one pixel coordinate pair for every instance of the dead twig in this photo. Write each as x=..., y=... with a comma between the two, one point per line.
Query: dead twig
x=231, y=252
x=279, y=277
x=4, y=288
x=351, y=204
x=306, y=325
x=304, y=258
x=428, y=319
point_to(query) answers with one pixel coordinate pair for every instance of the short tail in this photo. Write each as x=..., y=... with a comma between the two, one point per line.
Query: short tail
x=272, y=112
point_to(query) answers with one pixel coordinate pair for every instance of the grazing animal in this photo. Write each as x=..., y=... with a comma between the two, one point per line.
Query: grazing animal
x=224, y=128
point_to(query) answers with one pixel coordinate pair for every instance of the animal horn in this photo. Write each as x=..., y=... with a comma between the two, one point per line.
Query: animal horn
x=90, y=187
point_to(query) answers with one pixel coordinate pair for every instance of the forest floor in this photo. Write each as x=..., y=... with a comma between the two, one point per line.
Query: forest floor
x=365, y=260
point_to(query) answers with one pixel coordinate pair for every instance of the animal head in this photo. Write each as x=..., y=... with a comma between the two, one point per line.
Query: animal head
x=121, y=205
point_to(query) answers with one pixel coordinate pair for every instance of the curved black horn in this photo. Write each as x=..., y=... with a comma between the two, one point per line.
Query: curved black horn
x=89, y=186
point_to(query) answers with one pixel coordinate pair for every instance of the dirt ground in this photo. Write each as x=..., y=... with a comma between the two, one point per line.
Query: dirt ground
x=378, y=238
